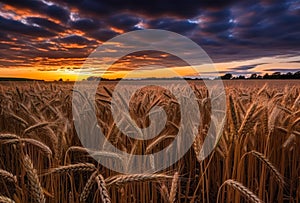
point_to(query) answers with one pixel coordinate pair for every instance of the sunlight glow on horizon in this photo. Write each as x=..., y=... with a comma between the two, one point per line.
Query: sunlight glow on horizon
x=66, y=73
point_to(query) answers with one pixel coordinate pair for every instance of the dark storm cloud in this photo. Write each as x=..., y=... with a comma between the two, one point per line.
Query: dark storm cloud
x=102, y=34
x=36, y=6
x=45, y=23
x=28, y=4
x=3, y=37
x=174, y=25
x=217, y=27
x=267, y=23
x=87, y=24
x=17, y=27
x=75, y=39
x=124, y=21
x=226, y=30
x=57, y=12
x=217, y=15
x=187, y=8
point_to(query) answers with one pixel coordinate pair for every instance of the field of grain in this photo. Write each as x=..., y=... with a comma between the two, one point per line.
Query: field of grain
x=256, y=159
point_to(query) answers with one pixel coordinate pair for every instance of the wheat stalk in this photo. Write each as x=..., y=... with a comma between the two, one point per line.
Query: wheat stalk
x=248, y=120
x=269, y=165
x=123, y=179
x=6, y=200
x=17, y=118
x=88, y=186
x=34, y=186
x=242, y=189
x=41, y=146
x=233, y=115
x=173, y=190
x=8, y=136
x=102, y=188
x=80, y=167
x=164, y=192
x=153, y=144
x=35, y=127
x=7, y=176
x=93, y=153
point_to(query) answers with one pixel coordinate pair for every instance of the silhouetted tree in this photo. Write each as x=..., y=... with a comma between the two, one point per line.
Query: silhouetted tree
x=297, y=75
x=276, y=75
x=253, y=76
x=227, y=76
x=288, y=75
x=266, y=76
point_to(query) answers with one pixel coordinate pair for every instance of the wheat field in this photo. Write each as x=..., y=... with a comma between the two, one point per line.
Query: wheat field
x=255, y=160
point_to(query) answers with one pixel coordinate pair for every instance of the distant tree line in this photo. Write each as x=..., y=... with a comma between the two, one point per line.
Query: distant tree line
x=276, y=75
x=227, y=76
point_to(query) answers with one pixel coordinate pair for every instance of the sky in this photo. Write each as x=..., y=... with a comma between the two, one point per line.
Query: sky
x=51, y=39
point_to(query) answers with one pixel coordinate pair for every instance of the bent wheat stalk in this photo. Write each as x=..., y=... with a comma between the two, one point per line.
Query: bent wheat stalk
x=35, y=127
x=242, y=189
x=41, y=146
x=81, y=167
x=269, y=165
x=123, y=179
x=8, y=136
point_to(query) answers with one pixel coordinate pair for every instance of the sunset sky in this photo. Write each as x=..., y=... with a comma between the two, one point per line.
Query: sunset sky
x=48, y=40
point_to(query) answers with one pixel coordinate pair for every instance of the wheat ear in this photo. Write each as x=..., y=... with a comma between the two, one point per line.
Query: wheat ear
x=34, y=185
x=102, y=188
x=123, y=179
x=35, y=127
x=269, y=165
x=242, y=189
x=8, y=136
x=7, y=176
x=81, y=167
x=87, y=188
x=6, y=200
x=173, y=190
x=41, y=146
